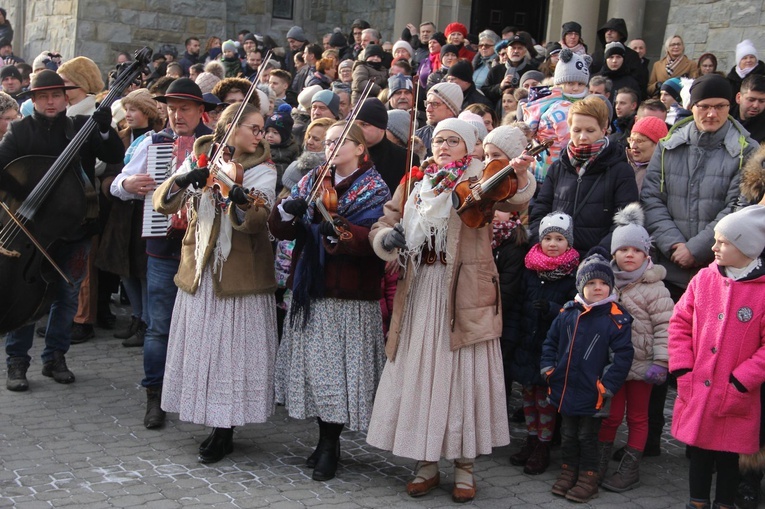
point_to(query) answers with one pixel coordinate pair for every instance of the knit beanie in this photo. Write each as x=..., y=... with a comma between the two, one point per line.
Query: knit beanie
x=477, y=123
x=710, y=86
x=463, y=129
x=745, y=229
x=456, y=27
x=439, y=37
x=570, y=26
x=510, y=140
x=282, y=121
x=531, y=75
x=10, y=71
x=556, y=222
x=374, y=50
x=398, y=124
x=251, y=37
x=449, y=48
x=373, y=112
x=673, y=86
x=40, y=61
x=337, y=40
x=572, y=68
x=345, y=63
x=207, y=81
x=215, y=68
x=84, y=73
x=461, y=70
x=305, y=97
x=330, y=99
x=264, y=100
x=651, y=127
x=552, y=48
x=629, y=230
x=745, y=48
x=398, y=82
x=614, y=48
x=296, y=33
x=450, y=94
x=142, y=100
x=229, y=45
x=403, y=45
x=595, y=266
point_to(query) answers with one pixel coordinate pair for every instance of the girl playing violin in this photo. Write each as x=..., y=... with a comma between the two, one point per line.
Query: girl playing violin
x=331, y=355
x=222, y=345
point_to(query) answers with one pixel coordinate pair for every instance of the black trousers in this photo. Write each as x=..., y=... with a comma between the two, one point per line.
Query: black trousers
x=579, y=442
x=703, y=463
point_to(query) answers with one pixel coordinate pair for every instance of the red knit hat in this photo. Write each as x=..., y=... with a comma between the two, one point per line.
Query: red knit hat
x=652, y=127
x=456, y=27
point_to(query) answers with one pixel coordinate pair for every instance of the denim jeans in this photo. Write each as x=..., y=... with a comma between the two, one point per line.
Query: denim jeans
x=72, y=259
x=160, y=293
x=137, y=295
x=579, y=442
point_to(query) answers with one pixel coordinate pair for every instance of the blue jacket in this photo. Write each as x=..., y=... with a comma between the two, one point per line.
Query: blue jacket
x=590, y=353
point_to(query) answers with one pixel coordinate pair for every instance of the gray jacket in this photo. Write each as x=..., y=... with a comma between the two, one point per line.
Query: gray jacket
x=691, y=183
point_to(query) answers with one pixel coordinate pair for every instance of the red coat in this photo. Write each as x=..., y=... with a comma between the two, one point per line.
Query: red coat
x=718, y=328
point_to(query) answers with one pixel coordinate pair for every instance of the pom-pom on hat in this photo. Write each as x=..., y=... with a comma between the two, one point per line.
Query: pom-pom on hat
x=84, y=73
x=557, y=222
x=629, y=230
x=651, y=127
x=572, y=68
x=510, y=140
x=463, y=129
x=745, y=229
x=595, y=266
x=281, y=120
x=450, y=94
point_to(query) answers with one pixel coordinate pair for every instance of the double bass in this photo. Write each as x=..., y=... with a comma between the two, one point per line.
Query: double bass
x=45, y=200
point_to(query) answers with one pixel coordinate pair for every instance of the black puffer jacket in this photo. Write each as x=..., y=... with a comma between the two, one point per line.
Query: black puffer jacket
x=632, y=60
x=607, y=186
x=735, y=80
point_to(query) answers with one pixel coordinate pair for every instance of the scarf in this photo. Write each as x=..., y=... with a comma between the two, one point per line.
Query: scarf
x=435, y=61
x=671, y=65
x=444, y=179
x=583, y=155
x=579, y=49
x=742, y=73
x=623, y=278
x=634, y=163
x=551, y=268
x=502, y=231
x=587, y=305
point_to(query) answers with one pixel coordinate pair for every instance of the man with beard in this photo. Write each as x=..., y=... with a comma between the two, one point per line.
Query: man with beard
x=750, y=106
x=520, y=58
x=191, y=56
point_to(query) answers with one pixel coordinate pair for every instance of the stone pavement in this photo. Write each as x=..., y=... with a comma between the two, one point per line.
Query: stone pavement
x=84, y=445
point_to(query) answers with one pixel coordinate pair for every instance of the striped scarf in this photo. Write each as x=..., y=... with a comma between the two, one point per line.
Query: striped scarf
x=583, y=155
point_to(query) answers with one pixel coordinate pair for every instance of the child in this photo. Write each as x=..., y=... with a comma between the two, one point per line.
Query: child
x=546, y=284
x=717, y=353
x=230, y=59
x=284, y=148
x=642, y=292
x=586, y=358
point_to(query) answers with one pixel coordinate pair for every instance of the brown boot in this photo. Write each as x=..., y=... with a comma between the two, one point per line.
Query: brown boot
x=627, y=475
x=539, y=460
x=604, y=450
x=566, y=480
x=586, y=487
x=521, y=457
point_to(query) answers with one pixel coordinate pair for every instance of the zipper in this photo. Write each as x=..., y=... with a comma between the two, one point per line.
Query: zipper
x=592, y=345
x=568, y=362
x=454, y=295
x=576, y=195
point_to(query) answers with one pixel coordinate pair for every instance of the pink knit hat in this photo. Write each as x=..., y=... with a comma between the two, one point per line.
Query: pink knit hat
x=652, y=127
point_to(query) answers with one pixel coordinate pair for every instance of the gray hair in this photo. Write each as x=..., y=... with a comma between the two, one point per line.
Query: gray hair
x=602, y=80
x=7, y=103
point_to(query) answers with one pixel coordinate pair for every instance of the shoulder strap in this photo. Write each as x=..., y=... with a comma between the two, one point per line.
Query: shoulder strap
x=581, y=203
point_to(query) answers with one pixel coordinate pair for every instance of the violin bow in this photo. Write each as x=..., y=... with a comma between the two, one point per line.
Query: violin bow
x=410, y=145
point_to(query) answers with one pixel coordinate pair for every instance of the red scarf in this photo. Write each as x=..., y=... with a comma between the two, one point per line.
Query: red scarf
x=503, y=230
x=583, y=155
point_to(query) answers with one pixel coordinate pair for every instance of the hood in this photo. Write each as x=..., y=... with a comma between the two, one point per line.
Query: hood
x=617, y=24
x=736, y=137
x=753, y=177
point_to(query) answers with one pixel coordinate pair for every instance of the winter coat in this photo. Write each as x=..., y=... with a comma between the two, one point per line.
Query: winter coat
x=482, y=66
x=300, y=167
x=753, y=179
x=692, y=181
x=283, y=155
x=735, y=80
x=233, y=67
x=473, y=96
x=318, y=78
x=436, y=77
x=508, y=257
x=249, y=268
x=492, y=88
x=755, y=125
x=621, y=78
x=607, y=185
x=527, y=326
x=648, y=302
x=718, y=331
x=685, y=69
x=631, y=58
x=364, y=72
x=589, y=353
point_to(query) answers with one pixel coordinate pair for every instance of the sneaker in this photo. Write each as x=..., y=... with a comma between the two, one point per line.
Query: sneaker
x=57, y=369
x=81, y=332
x=17, y=375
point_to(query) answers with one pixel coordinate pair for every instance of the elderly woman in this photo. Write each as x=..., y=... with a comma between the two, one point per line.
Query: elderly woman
x=644, y=137
x=442, y=393
x=674, y=65
x=9, y=111
x=746, y=63
x=485, y=58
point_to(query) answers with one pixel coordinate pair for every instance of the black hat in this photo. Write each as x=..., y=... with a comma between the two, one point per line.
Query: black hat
x=44, y=80
x=462, y=70
x=570, y=26
x=373, y=112
x=337, y=40
x=250, y=37
x=440, y=37
x=710, y=86
x=449, y=48
x=10, y=71
x=187, y=90
x=374, y=50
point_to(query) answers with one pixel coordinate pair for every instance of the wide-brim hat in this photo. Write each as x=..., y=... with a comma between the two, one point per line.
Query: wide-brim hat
x=46, y=80
x=185, y=89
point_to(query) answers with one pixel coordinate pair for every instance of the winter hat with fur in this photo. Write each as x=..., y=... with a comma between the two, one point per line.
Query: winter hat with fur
x=629, y=230
x=595, y=266
x=557, y=222
x=572, y=68
x=84, y=73
x=745, y=229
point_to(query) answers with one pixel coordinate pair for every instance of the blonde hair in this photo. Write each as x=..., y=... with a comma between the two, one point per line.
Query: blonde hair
x=228, y=115
x=356, y=135
x=592, y=107
x=319, y=122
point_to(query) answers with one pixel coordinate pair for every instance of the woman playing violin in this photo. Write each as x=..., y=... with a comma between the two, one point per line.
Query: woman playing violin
x=442, y=392
x=222, y=344
x=331, y=355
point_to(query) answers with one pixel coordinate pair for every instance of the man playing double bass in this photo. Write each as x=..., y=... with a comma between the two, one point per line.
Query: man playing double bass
x=46, y=133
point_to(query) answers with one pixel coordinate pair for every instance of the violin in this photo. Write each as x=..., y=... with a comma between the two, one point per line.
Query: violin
x=326, y=204
x=475, y=197
x=226, y=173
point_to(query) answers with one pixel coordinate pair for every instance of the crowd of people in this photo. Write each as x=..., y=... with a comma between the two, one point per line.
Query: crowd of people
x=318, y=247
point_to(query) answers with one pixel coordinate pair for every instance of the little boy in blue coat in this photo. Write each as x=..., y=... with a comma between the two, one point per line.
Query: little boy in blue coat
x=586, y=358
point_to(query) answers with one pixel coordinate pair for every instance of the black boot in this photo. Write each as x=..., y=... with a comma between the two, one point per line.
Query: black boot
x=17, y=374
x=57, y=369
x=221, y=443
x=310, y=462
x=326, y=464
x=748, y=495
x=130, y=331
x=136, y=339
x=155, y=416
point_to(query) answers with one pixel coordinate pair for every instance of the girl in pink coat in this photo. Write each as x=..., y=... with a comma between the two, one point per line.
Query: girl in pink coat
x=717, y=353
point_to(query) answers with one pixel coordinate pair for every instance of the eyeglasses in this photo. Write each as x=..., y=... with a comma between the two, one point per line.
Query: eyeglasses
x=451, y=141
x=637, y=141
x=719, y=108
x=255, y=128
x=485, y=45
x=433, y=104
x=329, y=143
x=676, y=44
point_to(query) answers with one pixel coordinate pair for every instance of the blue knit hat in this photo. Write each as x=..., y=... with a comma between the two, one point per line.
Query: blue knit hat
x=282, y=121
x=595, y=266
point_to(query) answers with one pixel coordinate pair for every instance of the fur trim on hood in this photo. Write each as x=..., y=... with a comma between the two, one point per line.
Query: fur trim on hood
x=753, y=177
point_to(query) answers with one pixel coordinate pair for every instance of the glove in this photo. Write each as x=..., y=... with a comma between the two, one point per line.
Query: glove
x=238, y=195
x=296, y=207
x=103, y=118
x=198, y=177
x=738, y=385
x=542, y=306
x=394, y=238
x=656, y=374
x=328, y=229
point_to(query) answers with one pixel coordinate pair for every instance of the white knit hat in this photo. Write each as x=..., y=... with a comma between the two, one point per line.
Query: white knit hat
x=463, y=129
x=510, y=140
x=477, y=122
x=745, y=48
x=306, y=96
x=557, y=222
x=629, y=230
x=450, y=93
x=745, y=229
x=405, y=45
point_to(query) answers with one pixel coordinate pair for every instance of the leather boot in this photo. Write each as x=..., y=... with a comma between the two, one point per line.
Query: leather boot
x=748, y=494
x=604, y=451
x=57, y=369
x=310, y=462
x=566, y=480
x=522, y=456
x=17, y=374
x=222, y=443
x=155, y=416
x=539, y=459
x=326, y=463
x=130, y=331
x=585, y=489
x=627, y=476
x=137, y=339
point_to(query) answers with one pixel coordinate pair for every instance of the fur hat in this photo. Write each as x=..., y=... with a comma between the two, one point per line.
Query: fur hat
x=450, y=94
x=403, y=45
x=510, y=140
x=614, y=48
x=477, y=122
x=330, y=99
x=143, y=101
x=456, y=27
x=745, y=229
x=595, y=266
x=398, y=124
x=652, y=128
x=572, y=68
x=296, y=33
x=207, y=82
x=629, y=230
x=557, y=222
x=745, y=48
x=282, y=121
x=463, y=129
x=84, y=73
